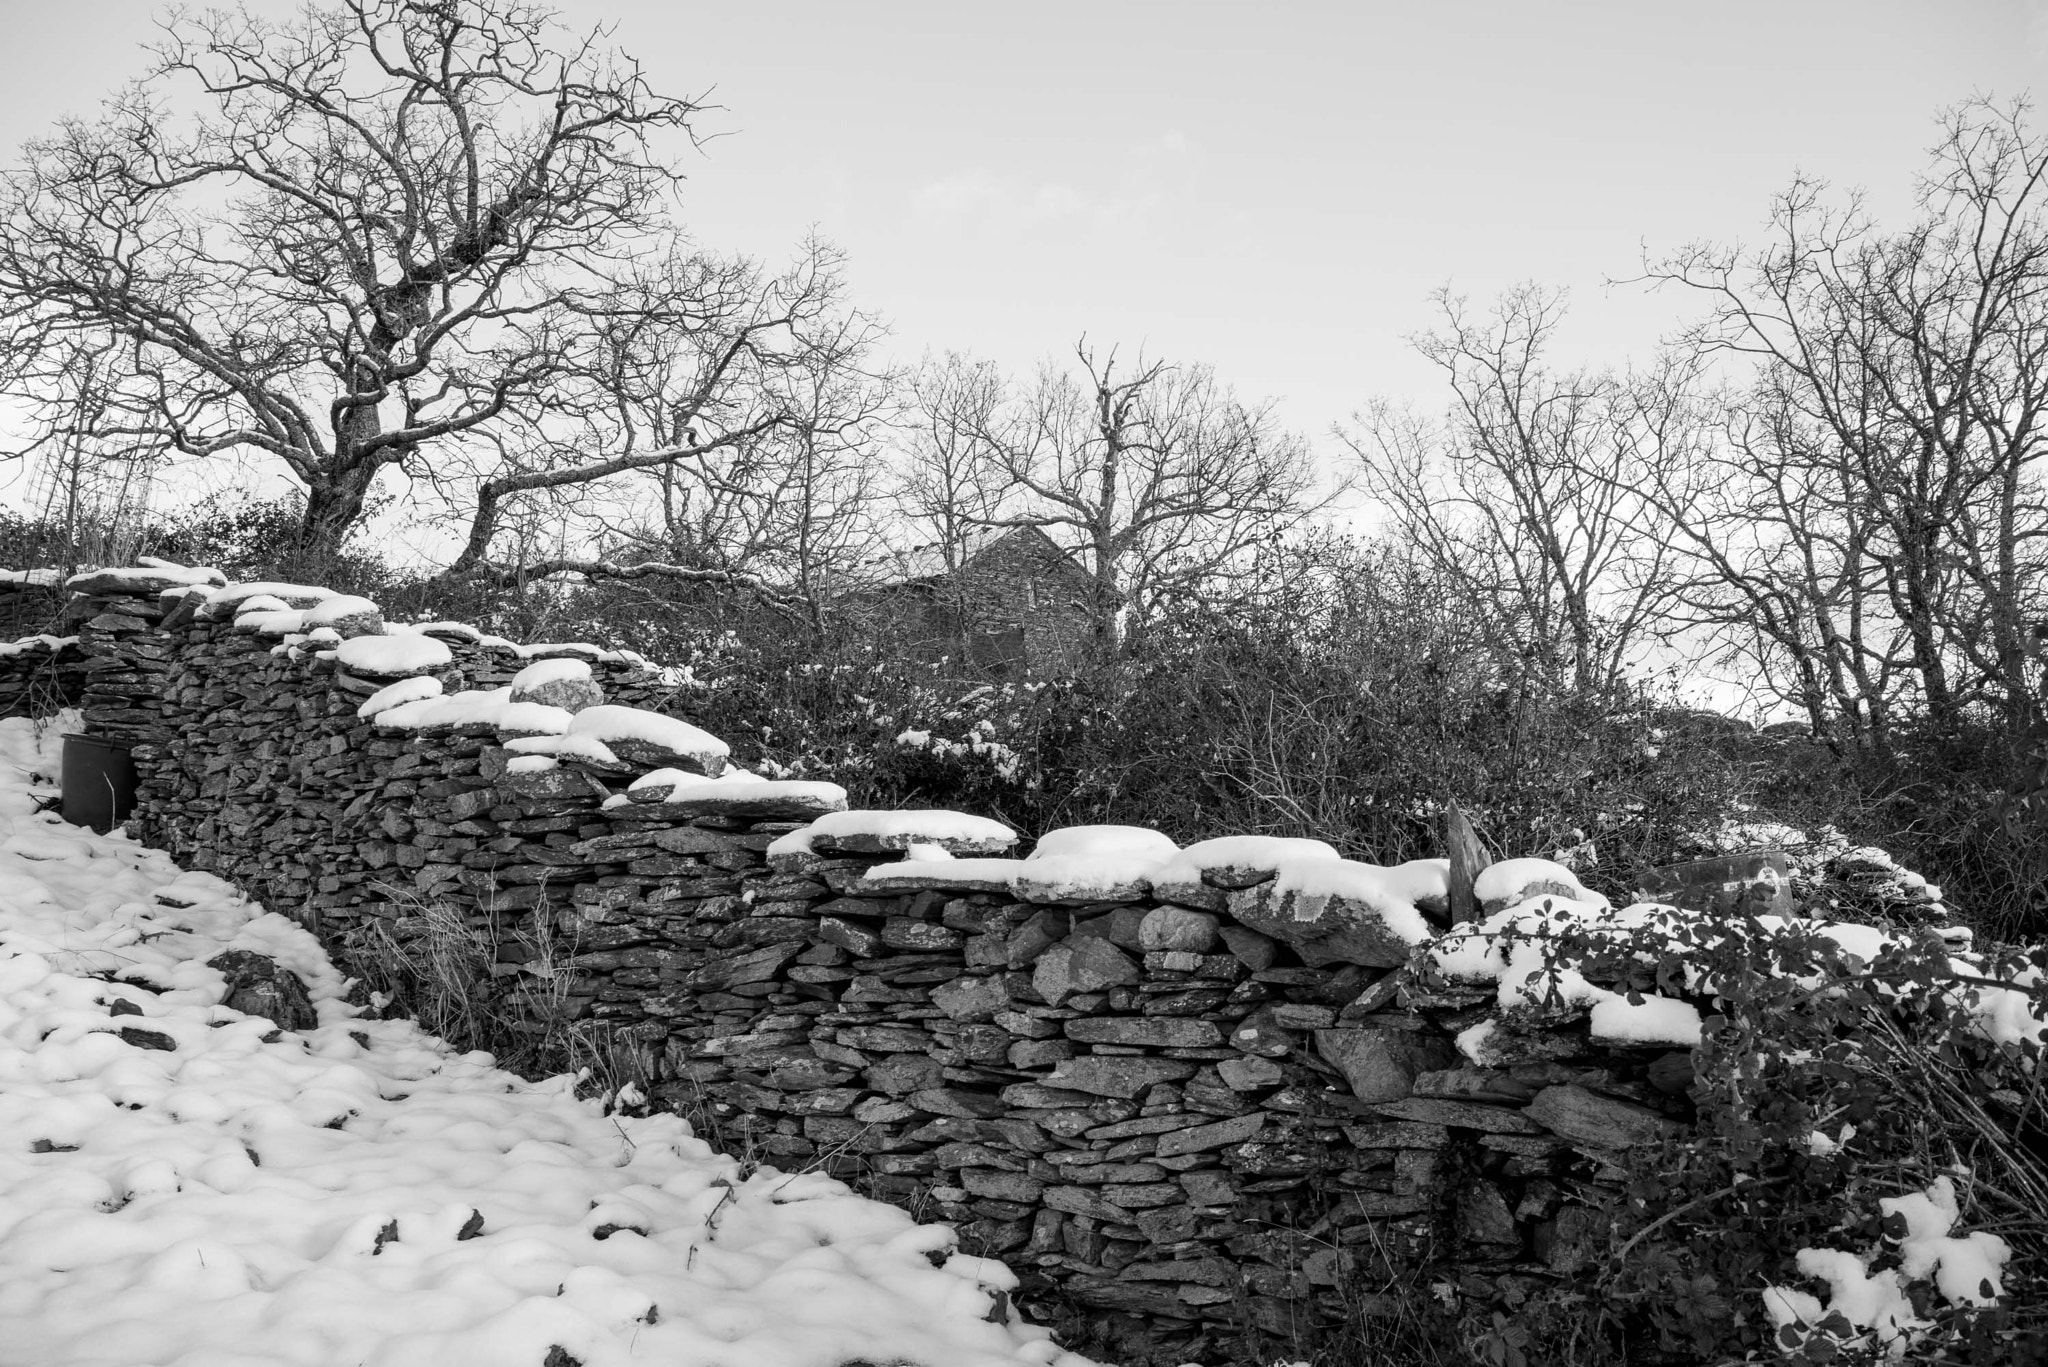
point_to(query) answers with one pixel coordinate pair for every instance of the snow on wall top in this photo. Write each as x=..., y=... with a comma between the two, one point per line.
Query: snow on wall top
x=1514, y=880
x=149, y=575
x=1245, y=854
x=392, y=657
x=41, y=577
x=636, y=734
x=27, y=644
x=224, y=598
x=550, y=671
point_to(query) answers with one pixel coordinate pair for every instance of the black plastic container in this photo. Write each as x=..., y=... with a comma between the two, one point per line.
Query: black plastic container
x=98, y=781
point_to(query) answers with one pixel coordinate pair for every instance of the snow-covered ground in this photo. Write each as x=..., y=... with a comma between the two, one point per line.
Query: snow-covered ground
x=205, y=1190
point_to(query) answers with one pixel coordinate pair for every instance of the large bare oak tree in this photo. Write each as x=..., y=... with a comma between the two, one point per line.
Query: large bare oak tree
x=387, y=233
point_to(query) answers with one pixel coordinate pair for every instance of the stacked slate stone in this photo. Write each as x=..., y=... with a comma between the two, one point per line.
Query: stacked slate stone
x=117, y=613
x=39, y=674
x=1205, y=1100
x=30, y=602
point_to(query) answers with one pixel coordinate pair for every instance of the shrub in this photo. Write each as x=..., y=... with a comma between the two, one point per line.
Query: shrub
x=1827, y=1080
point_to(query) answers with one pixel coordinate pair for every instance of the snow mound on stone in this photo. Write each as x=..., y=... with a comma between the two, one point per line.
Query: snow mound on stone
x=640, y=736
x=392, y=657
x=872, y=832
x=1517, y=880
x=404, y=691
x=1242, y=855
x=1093, y=864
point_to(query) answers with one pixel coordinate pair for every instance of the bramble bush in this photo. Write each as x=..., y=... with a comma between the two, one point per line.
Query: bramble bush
x=1825, y=1080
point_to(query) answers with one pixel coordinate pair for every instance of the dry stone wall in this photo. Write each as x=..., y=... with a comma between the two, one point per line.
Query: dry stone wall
x=1189, y=1102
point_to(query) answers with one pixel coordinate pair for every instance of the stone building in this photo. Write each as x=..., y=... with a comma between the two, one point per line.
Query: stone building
x=1017, y=604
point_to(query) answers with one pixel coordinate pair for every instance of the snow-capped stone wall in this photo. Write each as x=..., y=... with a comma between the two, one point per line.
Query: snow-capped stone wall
x=1192, y=1086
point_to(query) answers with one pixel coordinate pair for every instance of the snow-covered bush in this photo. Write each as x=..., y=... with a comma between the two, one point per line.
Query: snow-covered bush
x=1844, y=1077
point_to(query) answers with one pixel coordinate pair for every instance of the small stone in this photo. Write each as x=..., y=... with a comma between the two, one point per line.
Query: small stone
x=1381, y=1064
x=1177, y=928
x=1033, y=1054
x=146, y=1039
x=1249, y=1074
x=1259, y=1034
x=1484, y=1217
x=259, y=986
x=1255, y=950
x=563, y=683
x=1078, y=965
x=971, y=999
x=1117, y=1075
x=1026, y=1025
x=902, y=932
x=1209, y=1188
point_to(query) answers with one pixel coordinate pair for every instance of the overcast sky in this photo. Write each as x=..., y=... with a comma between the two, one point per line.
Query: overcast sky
x=1274, y=187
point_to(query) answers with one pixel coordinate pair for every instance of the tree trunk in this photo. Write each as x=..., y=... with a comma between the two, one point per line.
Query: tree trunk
x=332, y=508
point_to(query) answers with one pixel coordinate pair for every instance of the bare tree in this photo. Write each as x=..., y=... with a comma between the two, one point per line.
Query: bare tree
x=947, y=485
x=1529, y=494
x=386, y=233
x=1158, y=475
x=698, y=374
x=1892, y=443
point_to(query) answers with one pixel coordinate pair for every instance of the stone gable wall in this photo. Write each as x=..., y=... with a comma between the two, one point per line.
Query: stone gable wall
x=1140, y=1104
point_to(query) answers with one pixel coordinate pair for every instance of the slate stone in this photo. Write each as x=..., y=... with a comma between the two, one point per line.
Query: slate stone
x=960, y=1104
x=1080, y=964
x=1044, y=930
x=1342, y=931
x=1256, y=951
x=742, y=806
x=1132, y=1196
x=1177, y=928
x=146, y=1039
x=902, y=932
x=1381, y=1065
x=259, y=986
x=902, y=1074
x=1249, y=1073
x=569, y=694
x=1597, y=1121
x=1260, y=1034
x=1203, y=1138
x=1000, y=1185
x=971, y=999
x=1117, y=1075
x=947, y=839
x=1157, y=1032
x=1484, y=1217
x=1459, y=1115
x=553, y=785
x=1083, y=1201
